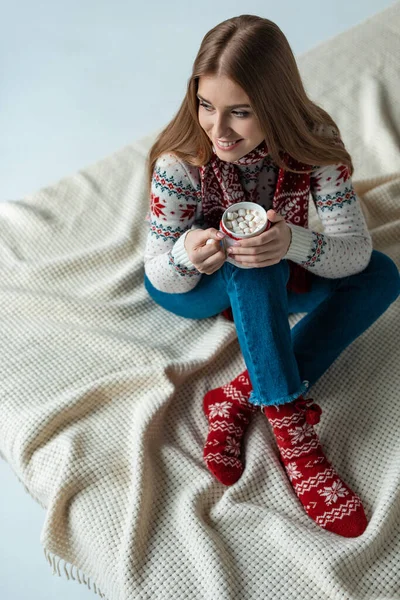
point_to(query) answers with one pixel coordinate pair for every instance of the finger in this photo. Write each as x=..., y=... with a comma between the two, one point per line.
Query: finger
x=210, y=248
x=273, y=247
x=213, y=262
x=210, y=233
x=219, y=244
x=272, y=215
x=257, y=258
x=259, y=240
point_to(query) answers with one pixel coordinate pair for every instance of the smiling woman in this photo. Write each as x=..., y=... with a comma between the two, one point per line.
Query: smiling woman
x=247, y=132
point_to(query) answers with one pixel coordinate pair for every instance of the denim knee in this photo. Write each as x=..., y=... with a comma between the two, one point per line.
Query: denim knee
x=388, y=274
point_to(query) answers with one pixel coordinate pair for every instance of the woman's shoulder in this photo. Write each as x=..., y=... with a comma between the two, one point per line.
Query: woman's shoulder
x=173, y=166
x=168, y=159
x=171, y=159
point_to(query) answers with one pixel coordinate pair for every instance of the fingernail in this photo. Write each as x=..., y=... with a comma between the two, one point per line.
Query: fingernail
x=236, y=243
x=220, y=235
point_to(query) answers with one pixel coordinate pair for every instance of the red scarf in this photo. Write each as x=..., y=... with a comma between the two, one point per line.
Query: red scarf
x=221, y=187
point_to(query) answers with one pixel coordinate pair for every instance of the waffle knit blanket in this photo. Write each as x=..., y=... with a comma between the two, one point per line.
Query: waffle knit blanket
x=102, y=422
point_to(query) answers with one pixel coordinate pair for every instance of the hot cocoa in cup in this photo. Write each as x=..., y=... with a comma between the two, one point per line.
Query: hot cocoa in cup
x=241, y=221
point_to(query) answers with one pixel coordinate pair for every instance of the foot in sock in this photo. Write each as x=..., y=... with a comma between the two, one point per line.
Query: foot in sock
x=228, y=412
x=323, y=494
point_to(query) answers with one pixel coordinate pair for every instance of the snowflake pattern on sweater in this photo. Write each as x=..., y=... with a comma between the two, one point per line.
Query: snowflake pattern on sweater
x=343, y=249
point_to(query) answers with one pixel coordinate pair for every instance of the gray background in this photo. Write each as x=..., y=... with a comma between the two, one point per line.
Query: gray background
x=80, y=80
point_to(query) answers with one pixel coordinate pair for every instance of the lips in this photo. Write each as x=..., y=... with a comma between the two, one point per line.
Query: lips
x=231, y=146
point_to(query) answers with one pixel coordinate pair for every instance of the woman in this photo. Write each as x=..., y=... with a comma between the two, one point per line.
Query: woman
x=246, y=130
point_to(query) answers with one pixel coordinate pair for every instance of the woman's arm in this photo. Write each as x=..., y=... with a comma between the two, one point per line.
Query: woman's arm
x=173, y=209
x=345, y=247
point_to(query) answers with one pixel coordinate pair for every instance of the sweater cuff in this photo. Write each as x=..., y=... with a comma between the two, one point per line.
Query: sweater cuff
x=301, y=244
x=179, y=253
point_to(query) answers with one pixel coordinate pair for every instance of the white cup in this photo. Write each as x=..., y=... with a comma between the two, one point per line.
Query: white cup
x=231, y=237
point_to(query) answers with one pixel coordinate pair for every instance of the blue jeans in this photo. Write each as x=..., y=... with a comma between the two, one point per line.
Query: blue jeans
x=283, y=363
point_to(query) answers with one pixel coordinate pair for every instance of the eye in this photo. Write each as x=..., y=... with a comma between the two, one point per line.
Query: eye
x=238, y=113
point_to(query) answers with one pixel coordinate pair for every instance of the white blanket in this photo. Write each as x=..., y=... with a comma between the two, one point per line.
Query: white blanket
x=101, y=414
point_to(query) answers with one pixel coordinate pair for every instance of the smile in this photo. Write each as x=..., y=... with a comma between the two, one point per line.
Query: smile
x=227, y=145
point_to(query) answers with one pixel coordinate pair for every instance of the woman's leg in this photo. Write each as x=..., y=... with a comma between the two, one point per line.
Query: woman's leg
x=260, y=306
x=283, y=363
x=227, y=409
x=259, y=302
x=339, y=311
x=207, y=299
x=258, y=298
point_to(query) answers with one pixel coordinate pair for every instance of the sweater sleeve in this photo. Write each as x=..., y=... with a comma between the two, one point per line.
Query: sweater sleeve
x=345, y=247
x=174, y=211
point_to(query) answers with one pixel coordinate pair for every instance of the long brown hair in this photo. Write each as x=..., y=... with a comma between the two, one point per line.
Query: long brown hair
x=254, y=53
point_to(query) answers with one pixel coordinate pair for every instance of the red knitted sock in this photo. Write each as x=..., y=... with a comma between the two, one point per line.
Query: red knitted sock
x=228, y=413
x=325, y=497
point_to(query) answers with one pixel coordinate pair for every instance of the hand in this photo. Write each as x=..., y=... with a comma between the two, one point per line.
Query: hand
x=267, y=248
x=204, y=249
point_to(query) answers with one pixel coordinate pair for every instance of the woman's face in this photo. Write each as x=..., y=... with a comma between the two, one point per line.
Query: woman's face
x=224, y=122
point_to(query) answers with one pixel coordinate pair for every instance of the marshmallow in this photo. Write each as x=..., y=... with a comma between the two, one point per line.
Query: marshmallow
x=244, y=221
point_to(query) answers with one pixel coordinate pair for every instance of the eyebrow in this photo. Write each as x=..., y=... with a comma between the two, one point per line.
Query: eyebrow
x=232, y=106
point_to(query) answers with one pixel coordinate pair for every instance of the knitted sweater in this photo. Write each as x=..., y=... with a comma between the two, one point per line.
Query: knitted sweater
x=343, y=249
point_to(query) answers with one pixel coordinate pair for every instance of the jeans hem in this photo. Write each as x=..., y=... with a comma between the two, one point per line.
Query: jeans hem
x=284, y=400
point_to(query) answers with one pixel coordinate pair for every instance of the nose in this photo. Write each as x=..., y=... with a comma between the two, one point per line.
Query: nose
x=221, y=129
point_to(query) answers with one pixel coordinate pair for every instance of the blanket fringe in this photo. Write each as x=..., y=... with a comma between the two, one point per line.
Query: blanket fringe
x=54, y=561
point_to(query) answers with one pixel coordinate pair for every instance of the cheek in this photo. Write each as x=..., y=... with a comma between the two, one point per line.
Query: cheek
x=251, y=129
x=205, y=121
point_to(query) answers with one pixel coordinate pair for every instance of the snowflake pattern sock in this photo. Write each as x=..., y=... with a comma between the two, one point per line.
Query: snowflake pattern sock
x=228, y=412
x=325, y=497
